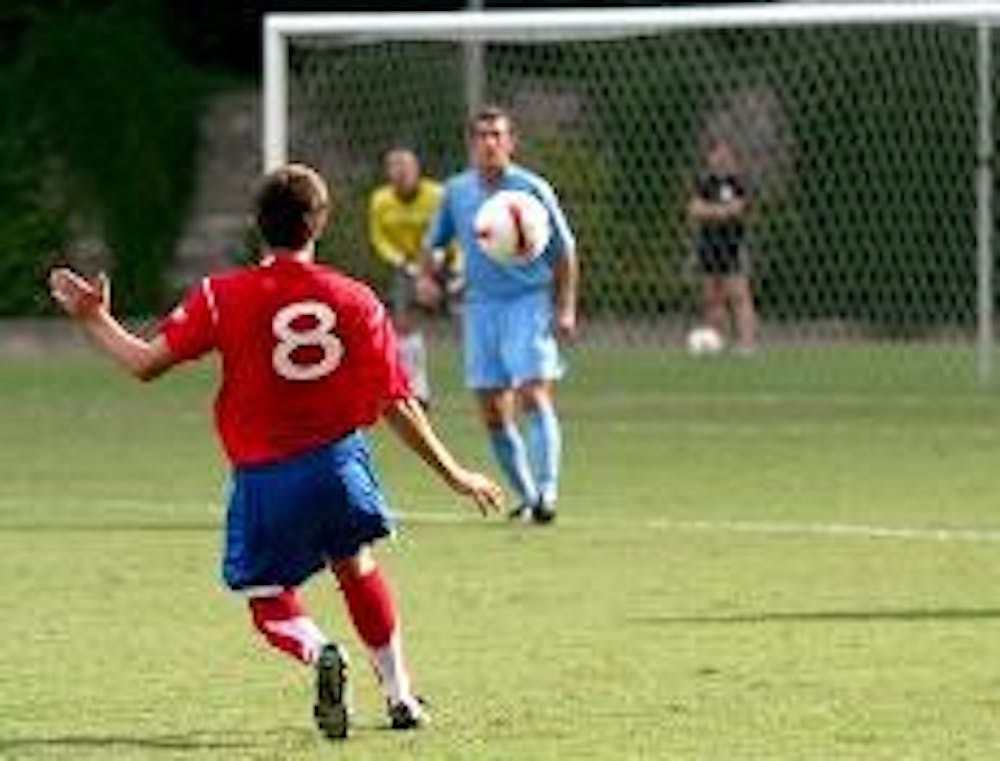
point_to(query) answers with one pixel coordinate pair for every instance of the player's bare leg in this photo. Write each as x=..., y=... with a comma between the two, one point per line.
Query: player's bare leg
x=373, y=611
x=537, y=399
x=282, y=620
x=498, y=411
x=744, y=315
x=714, y=303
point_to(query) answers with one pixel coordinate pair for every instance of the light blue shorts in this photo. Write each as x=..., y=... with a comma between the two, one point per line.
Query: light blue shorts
x=288, y=519
x=509, y=342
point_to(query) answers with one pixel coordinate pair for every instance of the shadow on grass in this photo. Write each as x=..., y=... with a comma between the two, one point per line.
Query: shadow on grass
x=906, y=615
x=125, y=527
x=169, y=742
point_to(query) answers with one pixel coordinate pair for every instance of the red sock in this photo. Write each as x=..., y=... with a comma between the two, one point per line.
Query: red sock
x=285, y=625
x=371, y=606
x=373, y=611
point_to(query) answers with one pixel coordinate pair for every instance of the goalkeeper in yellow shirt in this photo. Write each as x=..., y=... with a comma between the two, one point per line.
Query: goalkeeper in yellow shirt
x=399, y=213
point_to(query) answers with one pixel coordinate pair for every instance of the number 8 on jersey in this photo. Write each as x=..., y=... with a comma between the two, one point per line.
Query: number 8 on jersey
x=319, y=334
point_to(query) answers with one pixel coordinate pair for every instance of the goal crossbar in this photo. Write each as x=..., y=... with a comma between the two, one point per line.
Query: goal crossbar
x=491, y=23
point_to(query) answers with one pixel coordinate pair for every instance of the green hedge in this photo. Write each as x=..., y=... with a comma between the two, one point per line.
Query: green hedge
x=32, y=227
x=112, y=112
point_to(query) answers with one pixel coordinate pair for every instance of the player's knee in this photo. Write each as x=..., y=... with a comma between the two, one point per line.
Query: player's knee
x=495, y=409
x=742, y=301
x=360, y=564
x=715, y=297
x=535, y=395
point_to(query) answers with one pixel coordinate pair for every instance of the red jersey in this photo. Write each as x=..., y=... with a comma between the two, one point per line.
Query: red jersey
x=308, y=355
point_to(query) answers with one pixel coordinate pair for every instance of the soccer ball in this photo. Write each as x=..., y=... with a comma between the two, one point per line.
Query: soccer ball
x=512, y=227
x=704, y=341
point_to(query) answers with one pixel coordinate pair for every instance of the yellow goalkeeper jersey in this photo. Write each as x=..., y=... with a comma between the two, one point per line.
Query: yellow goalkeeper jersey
x=396, y=227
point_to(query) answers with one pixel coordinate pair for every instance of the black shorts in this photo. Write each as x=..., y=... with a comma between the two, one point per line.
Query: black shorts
x=723, y=261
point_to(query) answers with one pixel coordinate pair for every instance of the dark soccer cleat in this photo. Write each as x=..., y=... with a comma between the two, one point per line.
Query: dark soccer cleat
x=543, y=513
x=408, y=714
x=331, y=710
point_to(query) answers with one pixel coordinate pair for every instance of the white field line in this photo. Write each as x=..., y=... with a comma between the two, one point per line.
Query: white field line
x=862, y=400
x=763, y=528
x=148, y=510
x=854, y=530
x=867, y=430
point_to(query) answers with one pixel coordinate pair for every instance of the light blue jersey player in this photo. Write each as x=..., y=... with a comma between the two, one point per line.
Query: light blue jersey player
x=513, y=317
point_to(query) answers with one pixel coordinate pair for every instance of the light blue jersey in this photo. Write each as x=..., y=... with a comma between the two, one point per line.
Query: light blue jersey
x=485, y=279
x=507, y=322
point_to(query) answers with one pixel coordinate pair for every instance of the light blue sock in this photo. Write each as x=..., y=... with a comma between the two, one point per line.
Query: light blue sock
x=545, y=450
x=508, y=446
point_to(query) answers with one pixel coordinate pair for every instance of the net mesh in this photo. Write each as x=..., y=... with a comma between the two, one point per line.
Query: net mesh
x=858, y=145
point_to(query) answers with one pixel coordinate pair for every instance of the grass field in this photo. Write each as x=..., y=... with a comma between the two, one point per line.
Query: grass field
x=756, y=560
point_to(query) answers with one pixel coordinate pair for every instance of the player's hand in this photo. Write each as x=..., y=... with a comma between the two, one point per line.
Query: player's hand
x=428, y=291
x=486, y=493
x=79, y=297
x=455, y=284
x=566, y=325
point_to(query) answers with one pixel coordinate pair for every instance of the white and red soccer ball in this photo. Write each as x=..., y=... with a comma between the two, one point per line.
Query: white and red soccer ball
x=512, y=227
x=704, y=341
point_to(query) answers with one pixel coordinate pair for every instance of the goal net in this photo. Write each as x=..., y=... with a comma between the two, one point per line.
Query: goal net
x=862, y=134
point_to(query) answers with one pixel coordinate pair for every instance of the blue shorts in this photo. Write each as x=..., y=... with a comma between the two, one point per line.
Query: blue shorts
x=287, y=520
x=509, y=342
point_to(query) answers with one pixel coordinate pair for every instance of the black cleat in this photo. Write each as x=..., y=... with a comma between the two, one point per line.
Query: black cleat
x=408, y=714
x=331, y=710
x=520, y=514
x=543, y=513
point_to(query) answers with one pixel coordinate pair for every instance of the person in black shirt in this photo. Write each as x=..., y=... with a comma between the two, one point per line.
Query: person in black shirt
x=719, y=208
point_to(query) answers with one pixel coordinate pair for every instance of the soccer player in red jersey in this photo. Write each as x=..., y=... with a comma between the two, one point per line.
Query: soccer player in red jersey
x=309, y=359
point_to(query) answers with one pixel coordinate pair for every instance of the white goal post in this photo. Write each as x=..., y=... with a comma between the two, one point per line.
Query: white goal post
x=474, y=28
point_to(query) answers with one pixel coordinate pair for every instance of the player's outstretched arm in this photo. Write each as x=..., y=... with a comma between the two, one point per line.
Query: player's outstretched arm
x=88, y=302
x=408, y=421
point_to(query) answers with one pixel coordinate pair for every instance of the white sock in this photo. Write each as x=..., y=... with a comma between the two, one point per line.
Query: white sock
x=303, y=631
x=391, y=670
x=413, y=354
